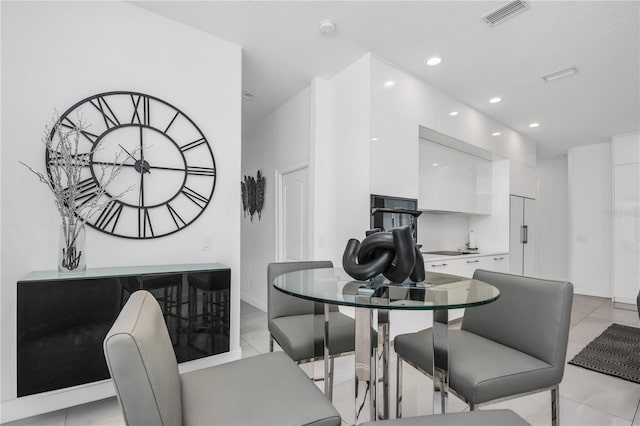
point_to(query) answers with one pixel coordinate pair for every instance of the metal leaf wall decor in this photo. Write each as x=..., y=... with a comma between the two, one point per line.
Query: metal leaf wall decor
x=259, y=194
x=253, y=195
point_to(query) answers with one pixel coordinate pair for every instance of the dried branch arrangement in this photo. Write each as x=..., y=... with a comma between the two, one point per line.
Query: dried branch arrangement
x=253, y=195
x=65, y=181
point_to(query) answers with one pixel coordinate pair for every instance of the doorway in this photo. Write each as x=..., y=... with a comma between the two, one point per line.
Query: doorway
x=292, y=215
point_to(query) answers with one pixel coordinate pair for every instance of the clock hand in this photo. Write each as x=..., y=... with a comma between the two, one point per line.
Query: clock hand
x=139, y=163
x=128, y=153
x=141, y=199
x=141, y=151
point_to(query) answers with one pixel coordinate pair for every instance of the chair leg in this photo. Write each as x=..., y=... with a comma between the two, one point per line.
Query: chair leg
x=555, y=405
x=270, y=343
x=330, y=377
x=473, y=407
x=399, y=389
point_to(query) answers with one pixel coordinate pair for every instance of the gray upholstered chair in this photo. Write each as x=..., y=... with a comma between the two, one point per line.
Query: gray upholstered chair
x=267, y=389
x=477, y=418
x=297, y=324
x=513, y=346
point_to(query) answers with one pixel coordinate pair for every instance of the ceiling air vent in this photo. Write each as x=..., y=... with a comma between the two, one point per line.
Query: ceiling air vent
x=505, y=12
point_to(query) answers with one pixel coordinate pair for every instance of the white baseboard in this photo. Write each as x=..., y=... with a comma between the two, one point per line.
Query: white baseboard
x=253, y=301
x=626, y=304
x=46, y=402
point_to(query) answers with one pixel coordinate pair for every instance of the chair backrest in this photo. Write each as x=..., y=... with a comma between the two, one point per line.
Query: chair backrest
x=531, y=315
x=283, y=305
x=143, y=365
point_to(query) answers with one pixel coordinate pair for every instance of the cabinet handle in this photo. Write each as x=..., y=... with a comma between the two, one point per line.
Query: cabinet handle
x=473, y=261
x=526, y=234
x=438, y=265
x=498, y=258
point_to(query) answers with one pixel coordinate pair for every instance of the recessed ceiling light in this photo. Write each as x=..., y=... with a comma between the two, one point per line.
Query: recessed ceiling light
x=389, y=83
x=560, y=74
x=433, y=61
x=495, y=100
x=534, y=125
x=435, y=164
x=453, y=113
x=496, y=134
x=327, y=27
x=374, y=139
x=248, y=94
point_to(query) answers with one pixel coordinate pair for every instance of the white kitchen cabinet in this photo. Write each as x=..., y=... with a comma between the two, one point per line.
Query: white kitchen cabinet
x=522, y=179
x=626, y=221
x=465, y=267
x=522, y=236
x=394, y=91
x=451, y=180
x=626, y=233
x=499, y=263
x=626, y=149
x=393, y=154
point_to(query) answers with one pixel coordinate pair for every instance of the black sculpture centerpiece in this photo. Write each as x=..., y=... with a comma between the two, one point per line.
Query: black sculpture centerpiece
x=392, y=254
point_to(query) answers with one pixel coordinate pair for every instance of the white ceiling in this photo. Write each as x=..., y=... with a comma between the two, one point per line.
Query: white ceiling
x=283, y=50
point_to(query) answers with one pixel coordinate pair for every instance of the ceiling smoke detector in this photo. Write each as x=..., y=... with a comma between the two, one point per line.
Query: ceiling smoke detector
x=327, y=27
x=505, y=12
x=560, y=74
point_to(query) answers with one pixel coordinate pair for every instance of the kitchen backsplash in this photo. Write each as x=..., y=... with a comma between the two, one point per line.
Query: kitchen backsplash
x=443, y=231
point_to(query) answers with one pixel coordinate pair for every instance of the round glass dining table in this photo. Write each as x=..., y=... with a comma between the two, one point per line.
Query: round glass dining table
x=438, y=292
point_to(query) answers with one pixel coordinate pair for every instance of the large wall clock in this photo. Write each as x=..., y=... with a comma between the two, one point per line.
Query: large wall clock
x=168, y=174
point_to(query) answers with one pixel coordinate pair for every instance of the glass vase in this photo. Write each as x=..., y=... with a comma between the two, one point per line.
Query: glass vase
x=72, y=256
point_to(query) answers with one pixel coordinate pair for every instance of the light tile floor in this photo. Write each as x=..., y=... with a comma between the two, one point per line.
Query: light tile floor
x=586, y=397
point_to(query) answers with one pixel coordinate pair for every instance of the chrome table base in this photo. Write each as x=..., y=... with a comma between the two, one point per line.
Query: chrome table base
x=372, y=403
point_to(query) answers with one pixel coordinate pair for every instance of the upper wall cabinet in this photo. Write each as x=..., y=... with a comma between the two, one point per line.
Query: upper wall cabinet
x=394, y=92
x=393, y=154
x=454, y=181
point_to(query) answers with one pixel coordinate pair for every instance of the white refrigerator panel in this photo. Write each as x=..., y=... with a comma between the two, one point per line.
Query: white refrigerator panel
x=529, y=244
x=516, y=248
x=627, y=233
x=522, y=236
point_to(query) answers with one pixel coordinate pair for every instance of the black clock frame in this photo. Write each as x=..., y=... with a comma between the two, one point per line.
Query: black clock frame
x=112, y=123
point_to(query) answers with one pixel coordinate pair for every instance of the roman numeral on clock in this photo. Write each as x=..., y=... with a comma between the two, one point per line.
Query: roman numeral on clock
x=141, y=110
x=201, y=171
x=57, y=159
x=171, y=122
x=87, y=190
x=67, y=123
x=144, y=223
x=109, y=216
x=176, y=217
x=193, y=144
x=110, y=119
x=198, y=199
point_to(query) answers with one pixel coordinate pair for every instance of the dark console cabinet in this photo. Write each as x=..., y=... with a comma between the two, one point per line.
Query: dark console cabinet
x=62, y=319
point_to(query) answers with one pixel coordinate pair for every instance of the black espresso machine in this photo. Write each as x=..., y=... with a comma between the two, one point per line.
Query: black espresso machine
x=388, y=213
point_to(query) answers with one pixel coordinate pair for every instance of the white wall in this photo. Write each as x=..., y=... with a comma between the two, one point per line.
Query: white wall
x=56, y=53
x=590, y=171
x=350, y=105
x=279, y=143
x=322, y=153
x=552, y=205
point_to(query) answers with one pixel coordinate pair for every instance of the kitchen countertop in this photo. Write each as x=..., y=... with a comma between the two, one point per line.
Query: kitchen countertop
x=438, y=257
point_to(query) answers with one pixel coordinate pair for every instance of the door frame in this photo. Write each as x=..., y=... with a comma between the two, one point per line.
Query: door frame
x=279, y=178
